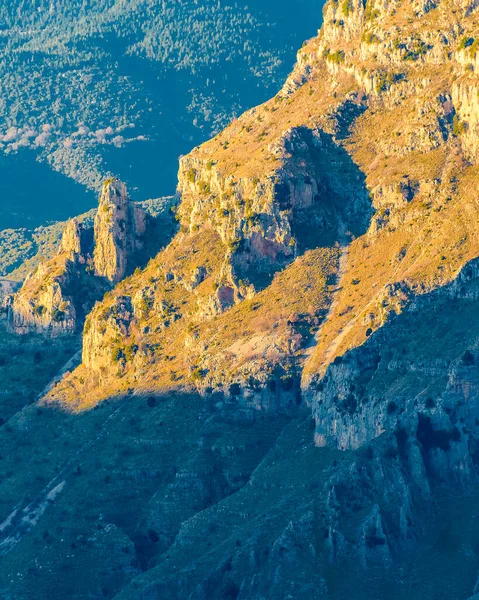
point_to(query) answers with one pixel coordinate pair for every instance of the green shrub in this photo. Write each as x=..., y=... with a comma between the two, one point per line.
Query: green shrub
x=419, y=48
x=370, y=38
x=146, y=304
x=39, y=310
x=347, y=7
x=234, y=245
x=58, y=315
x=117, y=354
x=336, y=57
x=466, y=42
x=204, y=187
x=191, y=327
x=397, y=44
x=130, y=352
x=458, y=127
x=253, y=219
x=371, y=13
x=197, y=374
x=385, y=80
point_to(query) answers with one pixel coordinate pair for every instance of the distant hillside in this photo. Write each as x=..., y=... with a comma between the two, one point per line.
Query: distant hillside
x=124, y=88
x=283, y=402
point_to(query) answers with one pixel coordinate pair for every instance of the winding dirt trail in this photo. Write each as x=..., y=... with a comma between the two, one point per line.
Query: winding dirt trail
x=343, y=261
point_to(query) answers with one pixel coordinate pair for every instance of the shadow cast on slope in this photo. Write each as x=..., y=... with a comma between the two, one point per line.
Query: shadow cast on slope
x=325, y=196
x=123, y=477
x=416, y=376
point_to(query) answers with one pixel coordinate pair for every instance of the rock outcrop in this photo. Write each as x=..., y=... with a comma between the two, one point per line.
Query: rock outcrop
x=322, y=166
x=266, y=220
x=57, y=295
x=41, y=305
x=431, y=391
x=76, y=240
x=7, y=290
x=119, y=227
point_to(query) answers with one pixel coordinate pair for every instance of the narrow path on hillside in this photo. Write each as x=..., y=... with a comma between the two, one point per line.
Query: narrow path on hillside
x=343, y=261
x=345, y=330
x=21, y=521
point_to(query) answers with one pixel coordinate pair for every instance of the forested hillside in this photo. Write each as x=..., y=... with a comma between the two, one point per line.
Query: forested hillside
x=92, y=89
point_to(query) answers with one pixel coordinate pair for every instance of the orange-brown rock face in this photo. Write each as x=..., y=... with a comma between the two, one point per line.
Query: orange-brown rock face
x=365, y=159
x=77, y=240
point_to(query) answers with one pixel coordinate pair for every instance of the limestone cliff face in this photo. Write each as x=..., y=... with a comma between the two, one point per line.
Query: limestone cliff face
x=408, y=400
x=76, y=240
x=265, y=220
x=7, y=290
x=387, y=56
x=251, y=228
x=45, y=303
x=41, y=305
x=424, y=390
x=119, y=227
x=465, y=95
x=55, y=298
x=367, y=153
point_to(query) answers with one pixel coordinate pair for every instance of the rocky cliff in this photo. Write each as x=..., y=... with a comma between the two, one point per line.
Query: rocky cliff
x=57, y=295
x=7, y=289
x=119, y=227
x=303, y=173
x=42, y=304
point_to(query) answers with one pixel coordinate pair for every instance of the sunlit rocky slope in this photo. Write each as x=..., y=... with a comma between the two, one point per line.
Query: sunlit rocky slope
x=283, y=403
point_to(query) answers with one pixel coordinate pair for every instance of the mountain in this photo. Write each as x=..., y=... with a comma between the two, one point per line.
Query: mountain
x=282, y=403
